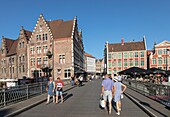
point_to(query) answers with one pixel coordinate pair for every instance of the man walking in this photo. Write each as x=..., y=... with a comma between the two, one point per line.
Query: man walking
x=59, y=89
x=107, y=91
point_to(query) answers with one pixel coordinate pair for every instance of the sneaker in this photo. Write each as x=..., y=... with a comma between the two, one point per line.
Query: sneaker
x=118, y=113
x=109, y=112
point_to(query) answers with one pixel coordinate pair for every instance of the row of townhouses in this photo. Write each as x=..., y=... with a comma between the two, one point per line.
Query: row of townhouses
x=121, y=56
x=52, y=48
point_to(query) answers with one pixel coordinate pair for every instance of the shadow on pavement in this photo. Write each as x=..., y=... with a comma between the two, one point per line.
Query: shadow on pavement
x=4, y=112
x=67, y=96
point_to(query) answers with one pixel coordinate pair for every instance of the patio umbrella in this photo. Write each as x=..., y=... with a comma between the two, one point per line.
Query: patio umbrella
x=156, y=71
x=133, y=71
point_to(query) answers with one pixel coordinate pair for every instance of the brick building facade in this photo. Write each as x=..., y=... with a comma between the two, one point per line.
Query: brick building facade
x=121, y=56
x=53, y=48
x=159, y=57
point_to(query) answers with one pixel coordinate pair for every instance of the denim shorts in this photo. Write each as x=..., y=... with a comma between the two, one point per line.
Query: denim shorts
x=59, y=92
x=107, y=95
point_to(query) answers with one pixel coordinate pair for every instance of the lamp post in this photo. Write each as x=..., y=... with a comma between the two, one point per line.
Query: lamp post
x=167, y=58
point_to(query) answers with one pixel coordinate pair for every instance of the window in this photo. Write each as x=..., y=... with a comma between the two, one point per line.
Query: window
x=142, y=63
x=114, y=63
x=67, y=73
x=45, y=60
x=59, y=71
x=159, y=60
x=23, y=44
x=23, y=58
x=154, y=61
x=43, y=37
x=125, y=55
x=131, y=55
x=125, y=63
x=61, y=59
x=119, y=55
x=23, y=68
x=164, y=60
x=131, y=62
x=20, y=59
x=12, y=60
x=136, y=54
x=38, y=61
x=45, y=49
x=119, y=64
x=160, y=52
x=32, y=50
x=19, y=69
x=110, y=72
x=110, y=64
x=37, y=37
x=141, y=54
x=136, y=62
x=114, y=55
x=39, y=49
x=109, y=56
x=165, y=51
x=46, y=37
x=32, y=61
x=20, y=45
x=12, y=69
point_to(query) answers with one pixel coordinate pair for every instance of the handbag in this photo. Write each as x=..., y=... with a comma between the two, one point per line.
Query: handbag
x=121, y=96
x=102, y=102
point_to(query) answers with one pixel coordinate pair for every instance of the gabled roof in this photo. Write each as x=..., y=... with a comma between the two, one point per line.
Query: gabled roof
x=60, y=28
x=163, y=43
x=8, y=43
x=88, y=55
x=127, y=46
x=12, y=50
x=28, y=33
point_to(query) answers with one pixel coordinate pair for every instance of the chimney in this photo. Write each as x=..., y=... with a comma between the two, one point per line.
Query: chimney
x=122, y=41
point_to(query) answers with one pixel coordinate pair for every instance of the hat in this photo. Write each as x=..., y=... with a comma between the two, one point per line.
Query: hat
x=116, y=79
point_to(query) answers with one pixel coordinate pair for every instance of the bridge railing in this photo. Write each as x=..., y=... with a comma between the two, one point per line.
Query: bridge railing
x=19, y=93
x=157, y=92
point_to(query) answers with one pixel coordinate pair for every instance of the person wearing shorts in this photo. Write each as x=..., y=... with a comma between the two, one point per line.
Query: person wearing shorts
x=107, y=91
x=59, y=89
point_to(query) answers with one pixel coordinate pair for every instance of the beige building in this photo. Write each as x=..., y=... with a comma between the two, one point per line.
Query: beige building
x=121, y=56
x=99, y=66
x=159, y=57
x=53, y=48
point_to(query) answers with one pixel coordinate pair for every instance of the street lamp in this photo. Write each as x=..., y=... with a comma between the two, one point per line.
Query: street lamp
x=167, y=58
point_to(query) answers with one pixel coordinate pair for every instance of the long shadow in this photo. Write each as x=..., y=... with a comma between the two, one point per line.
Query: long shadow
x=148, y=105
x=4, y=112
x=67, y=96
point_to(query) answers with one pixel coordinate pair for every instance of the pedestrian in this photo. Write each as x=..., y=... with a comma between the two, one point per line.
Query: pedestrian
x=107, y=91
x=50, y=89
x=117, y=93
x=80, y=80
x=59, y=89
x=72, y=81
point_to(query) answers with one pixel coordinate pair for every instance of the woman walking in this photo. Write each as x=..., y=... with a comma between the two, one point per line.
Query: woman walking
x=50, y=90
x=117, y=93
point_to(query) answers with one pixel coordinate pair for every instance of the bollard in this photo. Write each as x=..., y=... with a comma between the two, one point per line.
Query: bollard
x=27, y=92
x=4, y=97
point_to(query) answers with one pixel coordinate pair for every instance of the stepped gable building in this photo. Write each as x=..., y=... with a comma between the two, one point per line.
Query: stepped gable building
x=14, y=56
x=121, y=56
x=55, y=48
x=99, y=66
x=160, y=56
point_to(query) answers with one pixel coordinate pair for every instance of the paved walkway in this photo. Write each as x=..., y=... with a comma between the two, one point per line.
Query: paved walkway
x=25, y=105
x=82, y=102
x=158, y=109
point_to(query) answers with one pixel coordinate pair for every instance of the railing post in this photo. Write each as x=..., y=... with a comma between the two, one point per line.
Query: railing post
x=27, y=91
x=4, y=97
x=41, y=86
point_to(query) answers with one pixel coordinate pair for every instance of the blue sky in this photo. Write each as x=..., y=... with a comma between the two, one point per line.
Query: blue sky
x=100, y=20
